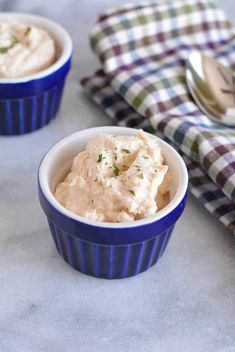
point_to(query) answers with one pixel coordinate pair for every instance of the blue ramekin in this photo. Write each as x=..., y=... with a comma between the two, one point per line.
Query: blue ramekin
x=31, y=102
x=108, y=250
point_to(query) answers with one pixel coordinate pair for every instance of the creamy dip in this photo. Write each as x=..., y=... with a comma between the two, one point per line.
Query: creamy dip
x=116, y=179
x=24, y=49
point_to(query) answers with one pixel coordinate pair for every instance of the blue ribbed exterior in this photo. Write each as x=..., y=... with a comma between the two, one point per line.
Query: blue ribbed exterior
x=109, y=261
x=24, y=115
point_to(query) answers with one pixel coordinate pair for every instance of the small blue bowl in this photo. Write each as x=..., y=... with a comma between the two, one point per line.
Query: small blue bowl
x=108, y=250
x=31, y=102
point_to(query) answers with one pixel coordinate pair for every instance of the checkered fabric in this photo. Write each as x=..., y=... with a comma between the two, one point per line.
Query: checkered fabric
x=142, y=49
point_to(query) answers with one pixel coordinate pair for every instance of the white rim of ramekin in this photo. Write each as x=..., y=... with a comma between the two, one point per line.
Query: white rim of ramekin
x=61, y=32
x=178, y=197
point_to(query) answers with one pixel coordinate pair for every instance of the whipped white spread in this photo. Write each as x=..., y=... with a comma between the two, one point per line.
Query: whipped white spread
x=24, y=49
x=116, y=179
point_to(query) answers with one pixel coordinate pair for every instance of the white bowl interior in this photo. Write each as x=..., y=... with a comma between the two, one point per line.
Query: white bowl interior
x=57, y=163
x=62, y=40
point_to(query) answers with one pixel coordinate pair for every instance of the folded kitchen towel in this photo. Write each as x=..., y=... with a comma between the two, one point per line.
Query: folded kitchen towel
x=143, y=50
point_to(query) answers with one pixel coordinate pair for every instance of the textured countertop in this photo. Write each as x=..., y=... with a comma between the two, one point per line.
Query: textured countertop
x=185, y=303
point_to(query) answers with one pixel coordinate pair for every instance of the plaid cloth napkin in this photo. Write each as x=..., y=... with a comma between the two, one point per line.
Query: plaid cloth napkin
x=142, y=50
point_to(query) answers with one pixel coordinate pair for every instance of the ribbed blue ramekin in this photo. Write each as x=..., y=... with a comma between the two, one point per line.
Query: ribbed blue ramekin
x=109, y=261
x=31, y=102
x=108, y=250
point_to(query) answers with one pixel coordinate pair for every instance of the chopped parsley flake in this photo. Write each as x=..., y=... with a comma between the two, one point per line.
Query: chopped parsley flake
x=116, y=170
x=27, y=31
x=14, y=41
x=115, y=156
x=4, y=50
x=96, y=179
x=141, y=176
x=127, y=151
x=145, y=157
x=100, y=158
x=131, y=191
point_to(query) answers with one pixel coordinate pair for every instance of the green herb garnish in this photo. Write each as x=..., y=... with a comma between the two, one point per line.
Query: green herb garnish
x=115, y=156
x=141, y=176
x=127, y=151
x=116, y=170
x=96, y=179
x=14, y=41
x=132, y=192
x=4, y=50
x=145, y=157
x=27, y=31
x=100, y=158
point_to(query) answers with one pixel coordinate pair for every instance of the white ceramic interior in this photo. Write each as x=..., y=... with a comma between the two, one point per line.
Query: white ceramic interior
x=62, y=39
x=58, y=160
